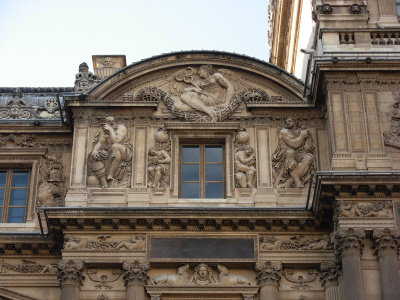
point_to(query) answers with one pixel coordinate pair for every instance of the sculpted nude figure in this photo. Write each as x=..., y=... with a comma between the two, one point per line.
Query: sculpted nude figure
x=349, y=210
x=136, y=243
x=158, y=166
x=244, y=164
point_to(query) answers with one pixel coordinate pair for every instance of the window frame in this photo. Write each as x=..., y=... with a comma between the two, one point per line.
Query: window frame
x=7, y=193
x=202, y=166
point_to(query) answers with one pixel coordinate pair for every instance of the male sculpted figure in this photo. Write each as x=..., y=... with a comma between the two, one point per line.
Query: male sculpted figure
x=293, y=157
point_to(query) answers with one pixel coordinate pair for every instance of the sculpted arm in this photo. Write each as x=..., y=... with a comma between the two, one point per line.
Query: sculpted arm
x=230, y=90
x=167, y=158
x=243, y=159
x=294, y=143
x=117, y=136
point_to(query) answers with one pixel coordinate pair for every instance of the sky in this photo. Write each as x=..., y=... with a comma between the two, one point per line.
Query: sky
x=42, y=42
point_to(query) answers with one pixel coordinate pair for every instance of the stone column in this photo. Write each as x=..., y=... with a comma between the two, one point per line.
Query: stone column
x=135, y=277
x=269, y=279
x=70, y=276
x=387, y=246
x=331, y=274
x=349, y=246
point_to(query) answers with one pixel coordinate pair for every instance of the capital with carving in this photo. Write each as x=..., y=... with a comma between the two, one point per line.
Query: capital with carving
x=349, y=242
x=70, y=273
x=330, y=273
x=268, y=273
x=135, y=273
x=386, y=241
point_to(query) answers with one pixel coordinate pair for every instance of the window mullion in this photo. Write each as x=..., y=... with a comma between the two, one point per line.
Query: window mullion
x=7, y=193
x=202, y=171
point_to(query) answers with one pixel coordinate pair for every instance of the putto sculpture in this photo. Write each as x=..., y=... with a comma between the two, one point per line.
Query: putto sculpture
x=293, y=159
x=203, y=95
x=159, y=161
x=110, y=161
x=245, y=161
x=392, y=137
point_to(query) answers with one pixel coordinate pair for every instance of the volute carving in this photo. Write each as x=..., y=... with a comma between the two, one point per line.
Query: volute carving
x=268, y=273
x=349, y=242
x=203, y=95
x=84, y=80
x=110, y=161
x=293, y=159
x=386, y=241
x=245, y=161
x=135, y=273
x=70, y=273
x=330, y=273
x=159, y=161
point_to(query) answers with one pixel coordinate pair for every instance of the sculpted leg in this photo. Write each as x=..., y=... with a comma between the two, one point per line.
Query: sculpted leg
x=194, y=102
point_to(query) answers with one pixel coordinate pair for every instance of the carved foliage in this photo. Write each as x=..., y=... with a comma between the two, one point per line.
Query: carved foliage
x=392, y=137
x=149, y=95
x=330, y=273
x=268, y=273
x=70, y=273
x=293, y=159
x=349, y=242
x=135, y=273
x=51, y=186
x=29, y=266
x=245, y=161
x=103, y=281
x=301, y=281
x=386, y=241
x=159, y=161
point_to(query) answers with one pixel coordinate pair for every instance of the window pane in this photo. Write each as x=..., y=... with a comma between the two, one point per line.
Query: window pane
x=214, y=190
x=2, y=196
x=214, y=172
x=16, y=215
x=213, y=154
x=190, y=190
x=190, y=172
x=190, y=154
x=20, y=179
x=3, y=176
x=18, y=197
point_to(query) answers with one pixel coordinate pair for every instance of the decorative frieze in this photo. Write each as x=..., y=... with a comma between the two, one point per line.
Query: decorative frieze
x=103, y=280
x=24, y=140
x=134, y=243
x=271, y=243
x=372, y=209
x=301, y=282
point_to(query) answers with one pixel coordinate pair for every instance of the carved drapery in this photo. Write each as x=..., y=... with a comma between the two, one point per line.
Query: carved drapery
x=387, y=247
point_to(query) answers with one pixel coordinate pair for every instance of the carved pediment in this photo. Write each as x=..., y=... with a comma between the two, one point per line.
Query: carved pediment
x=199, y=86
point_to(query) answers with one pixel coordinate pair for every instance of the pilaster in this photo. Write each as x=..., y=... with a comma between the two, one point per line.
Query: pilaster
x=269, y=279
x=70, y=276
x=135, y=278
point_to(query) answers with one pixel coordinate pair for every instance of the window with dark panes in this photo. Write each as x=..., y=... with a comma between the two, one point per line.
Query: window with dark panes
x=398, y=9
x=202, y=171
x=13, y=195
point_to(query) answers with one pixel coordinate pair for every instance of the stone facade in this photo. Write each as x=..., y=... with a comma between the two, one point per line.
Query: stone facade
x=210, y=175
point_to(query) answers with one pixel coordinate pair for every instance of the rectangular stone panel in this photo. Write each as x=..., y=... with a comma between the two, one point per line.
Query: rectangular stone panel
x=356, y=121
x=226, y=248
x=139, y=163
x=338, y=122
x=375, y=137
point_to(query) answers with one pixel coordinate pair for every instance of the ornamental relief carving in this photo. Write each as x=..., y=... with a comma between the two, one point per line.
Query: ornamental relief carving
x=158, y=170
x=272, y=243
x=245, y=161
x=136, y=243
x=372, y=209
x=52, y=188
x=110, y=161
x=203, y=275
x=392, y=137
x=386, y=241
x=294, y=158
x=12, y=141
x=103, y=281
x=85, y=80
x=28, y=266
x=301, y=281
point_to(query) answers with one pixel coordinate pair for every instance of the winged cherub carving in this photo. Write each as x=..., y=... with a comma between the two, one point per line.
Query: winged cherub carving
x=203, y=95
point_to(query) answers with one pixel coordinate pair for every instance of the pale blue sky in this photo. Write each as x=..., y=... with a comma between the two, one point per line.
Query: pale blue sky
x=42, y=42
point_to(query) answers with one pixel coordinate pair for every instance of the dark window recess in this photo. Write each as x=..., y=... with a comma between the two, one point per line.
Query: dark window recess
x=202, y=248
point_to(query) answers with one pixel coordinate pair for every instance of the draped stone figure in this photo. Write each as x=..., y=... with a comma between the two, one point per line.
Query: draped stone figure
x=110, y=160
x=293, y=159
